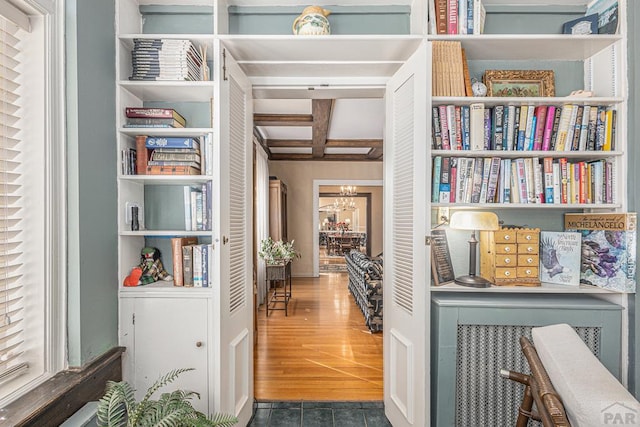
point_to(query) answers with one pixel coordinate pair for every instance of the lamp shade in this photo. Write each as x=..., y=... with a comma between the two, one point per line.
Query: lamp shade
x=473, y=220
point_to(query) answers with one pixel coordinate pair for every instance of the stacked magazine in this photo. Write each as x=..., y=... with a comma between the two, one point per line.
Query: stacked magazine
x=167, y=59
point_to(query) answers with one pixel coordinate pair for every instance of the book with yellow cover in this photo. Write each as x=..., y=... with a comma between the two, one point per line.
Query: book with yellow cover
x=608, y=248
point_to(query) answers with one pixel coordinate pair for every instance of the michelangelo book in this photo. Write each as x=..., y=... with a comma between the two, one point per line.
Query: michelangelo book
x=608, y=257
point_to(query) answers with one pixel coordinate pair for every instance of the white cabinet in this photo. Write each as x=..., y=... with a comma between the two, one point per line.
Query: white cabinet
x=163, y=333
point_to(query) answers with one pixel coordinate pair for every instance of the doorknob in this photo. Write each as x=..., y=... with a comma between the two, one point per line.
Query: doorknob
x=225, y=240
x=199, y=344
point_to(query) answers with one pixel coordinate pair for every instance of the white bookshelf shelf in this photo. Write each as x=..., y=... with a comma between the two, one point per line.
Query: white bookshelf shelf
x=544, y=288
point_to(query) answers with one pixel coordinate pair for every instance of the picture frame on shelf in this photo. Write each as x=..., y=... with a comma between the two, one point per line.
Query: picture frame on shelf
x=520, y=83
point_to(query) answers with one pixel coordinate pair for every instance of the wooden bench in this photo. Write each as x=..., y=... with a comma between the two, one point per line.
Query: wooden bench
x=569, y=385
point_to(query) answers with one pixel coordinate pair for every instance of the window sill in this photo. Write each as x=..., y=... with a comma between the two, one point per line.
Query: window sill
x=58, y=398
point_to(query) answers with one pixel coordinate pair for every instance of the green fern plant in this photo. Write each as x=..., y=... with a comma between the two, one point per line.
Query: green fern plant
x=118, y=407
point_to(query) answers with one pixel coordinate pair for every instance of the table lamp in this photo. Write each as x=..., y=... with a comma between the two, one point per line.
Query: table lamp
x=472, y=220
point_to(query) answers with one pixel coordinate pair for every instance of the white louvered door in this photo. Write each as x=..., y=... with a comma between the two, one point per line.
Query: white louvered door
x=406, y=270
x=234, y=390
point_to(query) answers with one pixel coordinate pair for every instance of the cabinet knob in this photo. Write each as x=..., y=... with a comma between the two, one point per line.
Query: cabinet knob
x=507, y=237
x=507, y=249
x=507, y=273
x=528, y=237
x=528, y=272
x=529, y=260
x=199, y=344
x=507, y=260
x=529, y=249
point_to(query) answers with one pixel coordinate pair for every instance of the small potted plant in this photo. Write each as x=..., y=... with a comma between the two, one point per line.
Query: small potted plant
x=118, y=407
x=277, y=252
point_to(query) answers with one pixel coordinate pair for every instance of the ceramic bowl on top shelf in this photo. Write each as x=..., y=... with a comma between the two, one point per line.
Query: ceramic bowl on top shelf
x=312, y=22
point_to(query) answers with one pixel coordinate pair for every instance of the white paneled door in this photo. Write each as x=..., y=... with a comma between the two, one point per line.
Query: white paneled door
x=406, y=281
x=234, y=390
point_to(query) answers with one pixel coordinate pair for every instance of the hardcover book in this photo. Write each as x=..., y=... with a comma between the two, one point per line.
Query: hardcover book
x=155, y=113
x=173, y=142
x=176, y=249
x=608, y=249
x=560, y=257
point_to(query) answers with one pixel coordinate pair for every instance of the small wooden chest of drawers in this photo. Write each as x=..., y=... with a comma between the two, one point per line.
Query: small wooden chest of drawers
x=510, y=256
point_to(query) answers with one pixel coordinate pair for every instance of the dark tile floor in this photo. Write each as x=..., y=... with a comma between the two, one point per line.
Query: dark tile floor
x=319, y=414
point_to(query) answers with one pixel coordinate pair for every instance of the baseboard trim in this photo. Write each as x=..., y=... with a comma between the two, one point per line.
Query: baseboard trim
x=58, y=398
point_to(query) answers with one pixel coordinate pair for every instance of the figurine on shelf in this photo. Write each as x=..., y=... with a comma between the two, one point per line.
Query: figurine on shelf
x=149, y=270
x=312, y=21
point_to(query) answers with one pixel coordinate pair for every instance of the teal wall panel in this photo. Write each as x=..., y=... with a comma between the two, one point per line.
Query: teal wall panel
x=343, y=20
x=92, y=231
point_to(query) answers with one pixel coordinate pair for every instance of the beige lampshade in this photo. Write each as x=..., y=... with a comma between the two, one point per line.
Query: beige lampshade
x=474, y=220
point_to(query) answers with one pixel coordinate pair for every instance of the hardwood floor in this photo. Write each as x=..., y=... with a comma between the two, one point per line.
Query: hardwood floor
x=322, y=350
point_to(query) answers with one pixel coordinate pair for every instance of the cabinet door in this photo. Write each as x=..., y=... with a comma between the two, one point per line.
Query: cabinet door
x=171, y=333
x=406, y=269
x=234, y=367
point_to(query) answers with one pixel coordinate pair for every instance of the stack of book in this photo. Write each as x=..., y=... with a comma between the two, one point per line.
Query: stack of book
x=145, y=117
x=456, y=17
x=166, y=59
x=177, y=155
x=191, y=262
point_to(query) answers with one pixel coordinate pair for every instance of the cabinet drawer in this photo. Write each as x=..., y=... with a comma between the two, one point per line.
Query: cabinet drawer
x=528, y=236
x=526, y=248
x=527, y=271
x=505, y=236
x=505, y=260
x=504, y=248
x=506, y=272
x=528, y=260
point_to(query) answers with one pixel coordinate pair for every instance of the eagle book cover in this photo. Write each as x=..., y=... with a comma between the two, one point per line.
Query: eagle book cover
x=560, y=257
x=608, y=258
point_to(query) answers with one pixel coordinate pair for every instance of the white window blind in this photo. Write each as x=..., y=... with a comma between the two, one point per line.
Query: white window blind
x=12, y=362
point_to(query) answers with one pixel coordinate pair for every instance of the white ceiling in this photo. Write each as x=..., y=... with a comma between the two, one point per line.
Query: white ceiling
x=350, y=119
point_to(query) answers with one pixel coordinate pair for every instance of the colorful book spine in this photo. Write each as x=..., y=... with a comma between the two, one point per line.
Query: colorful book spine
x=435, y=185
x=548, y=179
x=497, y=127
x=436, y=140
x=453, y=177
x=548, y=128
x=444, y=127
x=445, y=181
x=541, y=121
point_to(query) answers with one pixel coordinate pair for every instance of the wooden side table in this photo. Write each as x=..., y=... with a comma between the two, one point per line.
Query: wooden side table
x=279, y=274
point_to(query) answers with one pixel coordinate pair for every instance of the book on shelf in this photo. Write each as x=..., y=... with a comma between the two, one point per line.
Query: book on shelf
x=166, y=59
x=187, y=265
x=173, y=142
x=560, y=254
x=152, y=123
x=608, y=248
x=177, y=243
x=155, y=113
x=172, y=170
x=143, y=154
x=128, y=158
x=441, y=266
x=185, y=156
x=607, y=11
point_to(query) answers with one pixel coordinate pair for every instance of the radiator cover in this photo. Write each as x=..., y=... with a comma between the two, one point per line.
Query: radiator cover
x=483, y=397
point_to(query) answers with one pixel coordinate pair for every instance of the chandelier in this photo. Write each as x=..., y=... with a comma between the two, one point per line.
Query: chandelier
x=348, y=191
x=344, y=204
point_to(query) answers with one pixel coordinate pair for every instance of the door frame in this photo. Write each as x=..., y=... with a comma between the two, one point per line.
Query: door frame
x=315, y=223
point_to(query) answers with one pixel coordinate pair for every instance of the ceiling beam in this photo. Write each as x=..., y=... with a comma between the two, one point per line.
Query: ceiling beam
x=325, y=158
x=260, y=119
x=321, y=110
x=373, y=143
x=289, y=142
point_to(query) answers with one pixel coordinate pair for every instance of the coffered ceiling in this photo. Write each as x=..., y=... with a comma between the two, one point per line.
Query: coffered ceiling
x=320, y=129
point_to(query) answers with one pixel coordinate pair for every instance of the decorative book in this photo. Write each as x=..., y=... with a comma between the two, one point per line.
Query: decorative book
x=560, y=257
x=608, y=249
x=441, y=267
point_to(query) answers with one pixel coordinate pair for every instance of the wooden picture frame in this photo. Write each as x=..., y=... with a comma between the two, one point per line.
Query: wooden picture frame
x=519, y=83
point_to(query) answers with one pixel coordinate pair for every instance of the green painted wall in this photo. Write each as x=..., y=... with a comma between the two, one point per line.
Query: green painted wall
x=633, y=175
x=91, y=161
